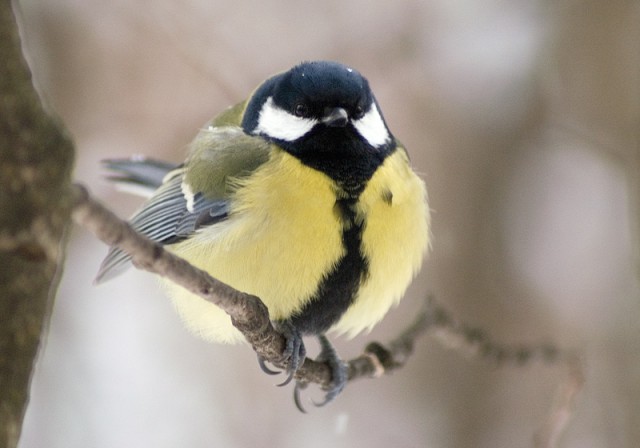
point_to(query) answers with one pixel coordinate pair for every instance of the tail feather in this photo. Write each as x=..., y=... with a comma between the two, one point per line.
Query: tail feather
x=138, y=175
x=114, y=264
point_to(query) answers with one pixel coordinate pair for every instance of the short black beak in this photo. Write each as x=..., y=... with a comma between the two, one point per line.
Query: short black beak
x=336, y=117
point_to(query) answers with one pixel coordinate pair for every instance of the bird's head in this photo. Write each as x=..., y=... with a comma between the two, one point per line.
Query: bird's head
x=316, y=104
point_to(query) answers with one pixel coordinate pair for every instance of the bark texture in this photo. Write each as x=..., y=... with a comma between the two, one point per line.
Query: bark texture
x=36, y=158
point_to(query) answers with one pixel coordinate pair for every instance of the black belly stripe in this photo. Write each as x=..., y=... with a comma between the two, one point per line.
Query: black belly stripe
x=338, y=289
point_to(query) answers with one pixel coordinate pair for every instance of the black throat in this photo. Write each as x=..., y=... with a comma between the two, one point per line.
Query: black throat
x=342, y=154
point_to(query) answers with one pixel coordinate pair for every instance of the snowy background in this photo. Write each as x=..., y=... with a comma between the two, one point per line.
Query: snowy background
x=522, y=116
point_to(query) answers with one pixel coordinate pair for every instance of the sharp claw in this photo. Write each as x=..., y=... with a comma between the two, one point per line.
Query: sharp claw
x=327, y=399
x=296, y=396
x=265, y=369
x=295, y=349
x=287, y=380
x=339, y=375
x=339, y=372
x=294, y=352
x=331, y=395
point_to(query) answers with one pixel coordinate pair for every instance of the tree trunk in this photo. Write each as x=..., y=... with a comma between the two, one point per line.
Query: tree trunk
x=36, y=159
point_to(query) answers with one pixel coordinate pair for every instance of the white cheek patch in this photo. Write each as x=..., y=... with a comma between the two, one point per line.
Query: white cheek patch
x=372, y=128
x=278, y=123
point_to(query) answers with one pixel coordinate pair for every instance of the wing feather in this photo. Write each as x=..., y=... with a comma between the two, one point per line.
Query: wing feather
x=177, y=209
x=165, y=219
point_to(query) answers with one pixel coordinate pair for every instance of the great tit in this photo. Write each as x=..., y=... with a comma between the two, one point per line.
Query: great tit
x=299, y=195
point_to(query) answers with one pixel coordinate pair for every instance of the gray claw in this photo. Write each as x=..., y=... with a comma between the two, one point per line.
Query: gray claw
x=296, y=396
x=339, y=375
x=294, y=352
x=265, y=369
x=339, y=370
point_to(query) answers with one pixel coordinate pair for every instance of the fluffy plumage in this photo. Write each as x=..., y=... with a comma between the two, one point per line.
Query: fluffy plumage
x=301, y=196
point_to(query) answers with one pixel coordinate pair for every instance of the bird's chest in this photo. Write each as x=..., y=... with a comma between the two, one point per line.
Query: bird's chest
x=294, y=240
x=284, y=236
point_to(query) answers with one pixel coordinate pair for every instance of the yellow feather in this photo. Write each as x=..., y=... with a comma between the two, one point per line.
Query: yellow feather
x=279, y=242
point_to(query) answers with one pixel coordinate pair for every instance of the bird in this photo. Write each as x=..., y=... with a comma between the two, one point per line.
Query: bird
x=299, y=195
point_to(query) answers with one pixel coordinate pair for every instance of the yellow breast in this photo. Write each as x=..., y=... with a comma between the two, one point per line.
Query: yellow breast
x=277, y=244
x=282, y=237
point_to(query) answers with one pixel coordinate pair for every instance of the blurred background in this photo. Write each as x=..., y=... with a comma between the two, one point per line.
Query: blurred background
x=523, y=117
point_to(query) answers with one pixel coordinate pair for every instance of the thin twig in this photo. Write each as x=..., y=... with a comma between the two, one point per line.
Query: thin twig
x=475, y=343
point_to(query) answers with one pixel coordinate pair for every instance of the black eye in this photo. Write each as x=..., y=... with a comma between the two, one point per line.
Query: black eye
x=358, y=112
x=301, y=110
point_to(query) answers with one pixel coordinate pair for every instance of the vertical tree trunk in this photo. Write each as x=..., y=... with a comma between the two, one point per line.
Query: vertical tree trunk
x=36, y=158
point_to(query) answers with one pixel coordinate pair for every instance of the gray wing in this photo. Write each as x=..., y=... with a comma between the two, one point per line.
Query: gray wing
x=166, y=219
x=174, y=213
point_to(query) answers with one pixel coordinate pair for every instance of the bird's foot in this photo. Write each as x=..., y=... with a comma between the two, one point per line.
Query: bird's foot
x=294, y=352
x=339, y=375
